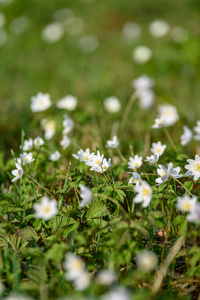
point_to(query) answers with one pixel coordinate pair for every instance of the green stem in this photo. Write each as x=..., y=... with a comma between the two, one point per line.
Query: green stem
x=170, y=140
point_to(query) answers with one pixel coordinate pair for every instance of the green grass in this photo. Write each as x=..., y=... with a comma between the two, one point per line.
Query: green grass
x=110, y=231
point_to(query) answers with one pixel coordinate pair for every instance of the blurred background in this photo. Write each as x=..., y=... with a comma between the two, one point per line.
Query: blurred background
x=88, y=48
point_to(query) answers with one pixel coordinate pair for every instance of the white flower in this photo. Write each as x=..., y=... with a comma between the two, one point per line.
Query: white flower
x=55, y=156
x=142, y=83
x=144, y=195
x=136, y=178
x=158, y=148
x=112, y=104
x=19, y=25
x=88, y=44
x=131, y=30
x=46, y=209
x=28, y=145
x=194, y=214
x=141, y=54
x=193, y=167
x=159, y=123
x=166, y=173
x=17, y=172
x=135, y=162
x=49, y=128
x=95, y=162
x=197, y=131
x=114, y=143
x=69, y=102
x=186, y=137
x=168, y=113
x=38, y=141
x=83, y=156
x=53, y=32
x=73, y=265
x=106, y=277
x=65, y=142
x=146, y=99
x=105, y=164
x=74, y=25
x=86, y=195
x=179, y=34
x=158, y=28
x=82, y=282
x=186, y=203
x=68, y=124
x=40, y=102
x=146, y=261
x=153, y=158
x=119, y=293
x=27, y=158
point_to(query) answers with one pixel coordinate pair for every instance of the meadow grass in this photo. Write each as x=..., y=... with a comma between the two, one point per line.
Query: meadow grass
x=60, y=249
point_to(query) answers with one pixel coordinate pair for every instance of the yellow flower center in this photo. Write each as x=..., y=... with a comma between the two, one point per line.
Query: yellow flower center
x=146, y=192
x=78, y=265
x=136, y=180
x=187, y=206
x=197, y=167
x=159, y=150
x=137, y=164
x=50, y=125
x=41, y=102
x=46, y=209
x=85, y=157
x=26, y=159
x=104, y=167
x=163, y=174
x=97, y=161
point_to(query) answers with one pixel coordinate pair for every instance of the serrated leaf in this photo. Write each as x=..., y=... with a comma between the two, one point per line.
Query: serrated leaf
x=97, y=209
x=27, y=233
x=58, y=222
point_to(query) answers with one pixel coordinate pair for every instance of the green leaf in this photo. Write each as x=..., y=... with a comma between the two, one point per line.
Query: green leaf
x=27, y=233
x=97, y=209
x=58, y=222
x=70, y=229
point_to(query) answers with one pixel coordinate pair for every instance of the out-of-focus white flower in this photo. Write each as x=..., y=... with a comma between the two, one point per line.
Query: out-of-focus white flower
x=194, y=214
x=153, y=158
x=28, y=145
x=168, y=113
x=86, y=195
x=193, y=167
x=158, y=148
x=40, y=102
x=131, y=30
x=82, y=282
x=19, y=25
x=142, y=84
x=119, y=293
x=146, y=99
x=135, y=162
x=106, y=277
x=53, y=32
x=136, y=178
x=2, y=19
x=68, y=124
x=74, y=25
x=114, y=143
x=141, y=54
x=69, y=102
x=166, y=173
x=63, y=14
x=3, y=37
x=55, y=156
x=49, y=128
x=73, y=265
x=146, y=261
x=159, y=123
x=46, y=209
x=158, y=28
x=88, y=44
x=112, y=104
x=66, y=141
x=186, y=137
x=144, y=195
x=105, y=164
x=38, y=141
x=95, y=162
x=179, y=34
x=27, y=158
x=186, y=203
x=17, y=172
x=83, y=156
x=197, y=131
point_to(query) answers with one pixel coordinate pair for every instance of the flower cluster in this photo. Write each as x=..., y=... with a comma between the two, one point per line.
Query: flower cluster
x=68, y=125
x=165, y=173
x=142, y=86
x=189, y=205
x=97, y=162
